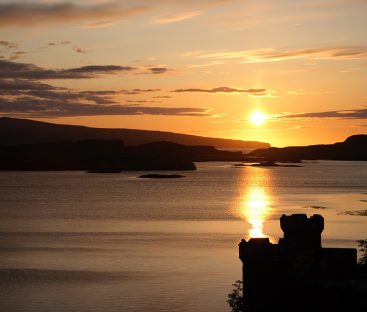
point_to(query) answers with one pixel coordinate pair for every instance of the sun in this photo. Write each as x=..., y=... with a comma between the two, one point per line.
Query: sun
x=257, y=118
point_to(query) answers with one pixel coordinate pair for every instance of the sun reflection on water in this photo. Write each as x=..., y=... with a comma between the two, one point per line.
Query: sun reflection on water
x=254, y=205
x=254, y=208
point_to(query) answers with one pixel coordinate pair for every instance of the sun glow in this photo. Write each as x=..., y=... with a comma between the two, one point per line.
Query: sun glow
x=257, y=118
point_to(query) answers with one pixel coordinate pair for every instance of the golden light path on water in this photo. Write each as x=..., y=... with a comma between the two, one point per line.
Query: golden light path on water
x=254, y=204
x=255, y=209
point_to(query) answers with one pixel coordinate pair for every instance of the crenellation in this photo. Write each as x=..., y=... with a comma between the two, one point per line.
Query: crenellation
x=297, y=266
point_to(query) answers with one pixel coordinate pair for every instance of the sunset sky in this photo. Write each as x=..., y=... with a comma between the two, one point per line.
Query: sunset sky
x=196, y=66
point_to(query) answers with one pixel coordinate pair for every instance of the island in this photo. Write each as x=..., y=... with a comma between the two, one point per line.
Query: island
x=273, y=164
x=109, y=156
x=161, y=176
x=267, y=163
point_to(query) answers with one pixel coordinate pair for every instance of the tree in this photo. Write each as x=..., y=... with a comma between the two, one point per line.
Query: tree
x=235, y=298
x=362, y=244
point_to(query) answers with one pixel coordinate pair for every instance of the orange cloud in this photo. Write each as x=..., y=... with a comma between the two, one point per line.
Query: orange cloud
x=339, y=114
x=173, y=18
x=32, y=14
x=276, y=55
x=252, y=91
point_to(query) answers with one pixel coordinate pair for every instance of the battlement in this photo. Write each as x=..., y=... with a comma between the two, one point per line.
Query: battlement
x=296, y=263
x=302, y=231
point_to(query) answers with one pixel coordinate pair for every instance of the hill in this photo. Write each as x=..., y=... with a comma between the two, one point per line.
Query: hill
x=15, y=131
x=109, y=156
x=353, y=148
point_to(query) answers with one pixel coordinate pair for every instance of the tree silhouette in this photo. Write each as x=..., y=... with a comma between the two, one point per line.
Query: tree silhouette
x=362, y=244
x=235, y=298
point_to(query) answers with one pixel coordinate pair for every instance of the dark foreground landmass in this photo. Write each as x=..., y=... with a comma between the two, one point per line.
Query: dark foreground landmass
x=15, y=131
x=353, y=148
x=104, y=156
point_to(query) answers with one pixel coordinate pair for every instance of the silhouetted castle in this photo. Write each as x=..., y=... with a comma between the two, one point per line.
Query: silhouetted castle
x=297, y=274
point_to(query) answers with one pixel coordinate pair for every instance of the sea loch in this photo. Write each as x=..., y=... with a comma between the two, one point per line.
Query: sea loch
x=73, y=241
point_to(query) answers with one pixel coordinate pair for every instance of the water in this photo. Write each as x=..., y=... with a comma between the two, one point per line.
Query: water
x=72, y=241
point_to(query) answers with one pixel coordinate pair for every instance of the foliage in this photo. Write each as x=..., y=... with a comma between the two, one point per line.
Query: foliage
x=362, y=244
x=235, y=298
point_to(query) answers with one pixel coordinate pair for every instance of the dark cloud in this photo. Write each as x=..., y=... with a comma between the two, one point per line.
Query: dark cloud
x=35, y=89
x=340, y=114
x=8, y=44
x=22, y=85
x=146, y=90
x=162, y=97
x=29, y=98
x=101, y=92
x=32, y=14
x=68, y=95
x=16, y=70
x=98, y=69
x=254, y=92
x=138, y=91
x=132, y=93
x=54, y=44
x=141, y=101
x=79, y=50
x=64, y=43
x=17, y=54
x=12, y=49
x=136, y=101
x=158, y=70
x=32, y=107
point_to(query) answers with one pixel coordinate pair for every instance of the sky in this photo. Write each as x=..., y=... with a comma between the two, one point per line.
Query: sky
x=199, y=67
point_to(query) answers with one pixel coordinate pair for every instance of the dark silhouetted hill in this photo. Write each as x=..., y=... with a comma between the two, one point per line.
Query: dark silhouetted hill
x=108, y=156
x=353, y=148
x=15, y=131
x=179, y=151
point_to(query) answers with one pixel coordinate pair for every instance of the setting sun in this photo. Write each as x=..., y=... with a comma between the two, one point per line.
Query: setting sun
x=257, y=118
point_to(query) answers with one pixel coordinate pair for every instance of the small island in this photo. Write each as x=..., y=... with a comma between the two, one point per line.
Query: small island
x=264, y=164
x=272, y=164
x=161, y=176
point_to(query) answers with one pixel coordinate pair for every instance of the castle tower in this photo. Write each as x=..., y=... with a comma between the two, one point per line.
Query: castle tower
x=300, y=231
x=293, y=274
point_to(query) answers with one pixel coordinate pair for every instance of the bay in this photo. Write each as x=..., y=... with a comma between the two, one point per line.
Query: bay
x=72, y=241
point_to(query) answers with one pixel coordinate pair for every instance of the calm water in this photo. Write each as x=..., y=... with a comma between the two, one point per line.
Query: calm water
x=72, y=241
